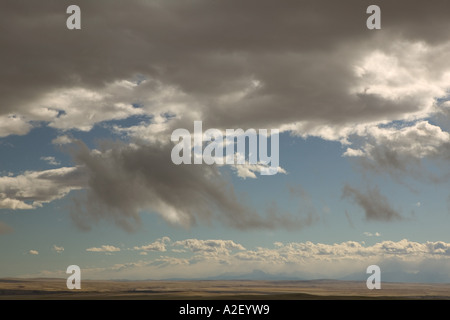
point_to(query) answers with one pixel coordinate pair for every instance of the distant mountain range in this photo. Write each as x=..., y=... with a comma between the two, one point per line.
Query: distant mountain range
x=254, y=275
x=398, y=276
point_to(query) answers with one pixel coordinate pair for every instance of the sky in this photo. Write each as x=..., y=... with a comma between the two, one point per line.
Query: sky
x=87, y=116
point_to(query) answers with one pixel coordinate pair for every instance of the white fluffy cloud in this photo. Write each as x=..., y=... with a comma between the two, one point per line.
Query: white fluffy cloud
x=308, y=260
x=60, y=140
x=297, y=251
x=33, y=252
x=215, y=247
x=248, y=170
x=81, y=108
x=406, y=71
x=13, y=124
x=158, y=245
x=419, y=140
x=33, y=188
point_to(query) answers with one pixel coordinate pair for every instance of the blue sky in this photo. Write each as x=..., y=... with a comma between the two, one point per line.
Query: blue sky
x=86, y=176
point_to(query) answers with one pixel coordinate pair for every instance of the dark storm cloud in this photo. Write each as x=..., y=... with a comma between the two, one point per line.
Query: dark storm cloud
x=301, y=52
x=375, y=205
x=127, y=180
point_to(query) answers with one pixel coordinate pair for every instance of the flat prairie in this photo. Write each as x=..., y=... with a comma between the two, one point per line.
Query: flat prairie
x=55, y=289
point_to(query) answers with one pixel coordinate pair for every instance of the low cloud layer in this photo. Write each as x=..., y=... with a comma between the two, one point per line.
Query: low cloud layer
x=104, y=249
x=159, y=245
x=215, y=247
x=308, y=260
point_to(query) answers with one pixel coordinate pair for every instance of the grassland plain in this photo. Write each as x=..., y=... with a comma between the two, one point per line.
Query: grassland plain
x=55, y=289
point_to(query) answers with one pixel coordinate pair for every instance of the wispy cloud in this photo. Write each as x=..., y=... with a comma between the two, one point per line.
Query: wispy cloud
x=51, y=160
x=57, y=249
x=104, y=249
x=125, y=180
x=375, y=205
x=370, y=234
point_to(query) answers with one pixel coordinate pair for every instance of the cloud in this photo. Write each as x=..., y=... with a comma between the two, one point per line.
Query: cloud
x=60, y=140
x=178, y=250
x=128, y=63
x=324, y=82
x=396, y=147
x=297, y=251
x=166, y=261
x=209, y=246
x=33, y=252
x=248, y=170
x=75, y=106
x=5, y=229
x=307, y=260
x=13, y=124
x=104, y=248
x=370, y=234
x=33, y=188
x=57, y=249
x=375, y=205
x=125, y=180
x=158, y=245
x=50, y=160
x=349, y=220
x=353, y=153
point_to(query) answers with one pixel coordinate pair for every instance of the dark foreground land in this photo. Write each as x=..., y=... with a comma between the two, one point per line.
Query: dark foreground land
x=229, y=290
